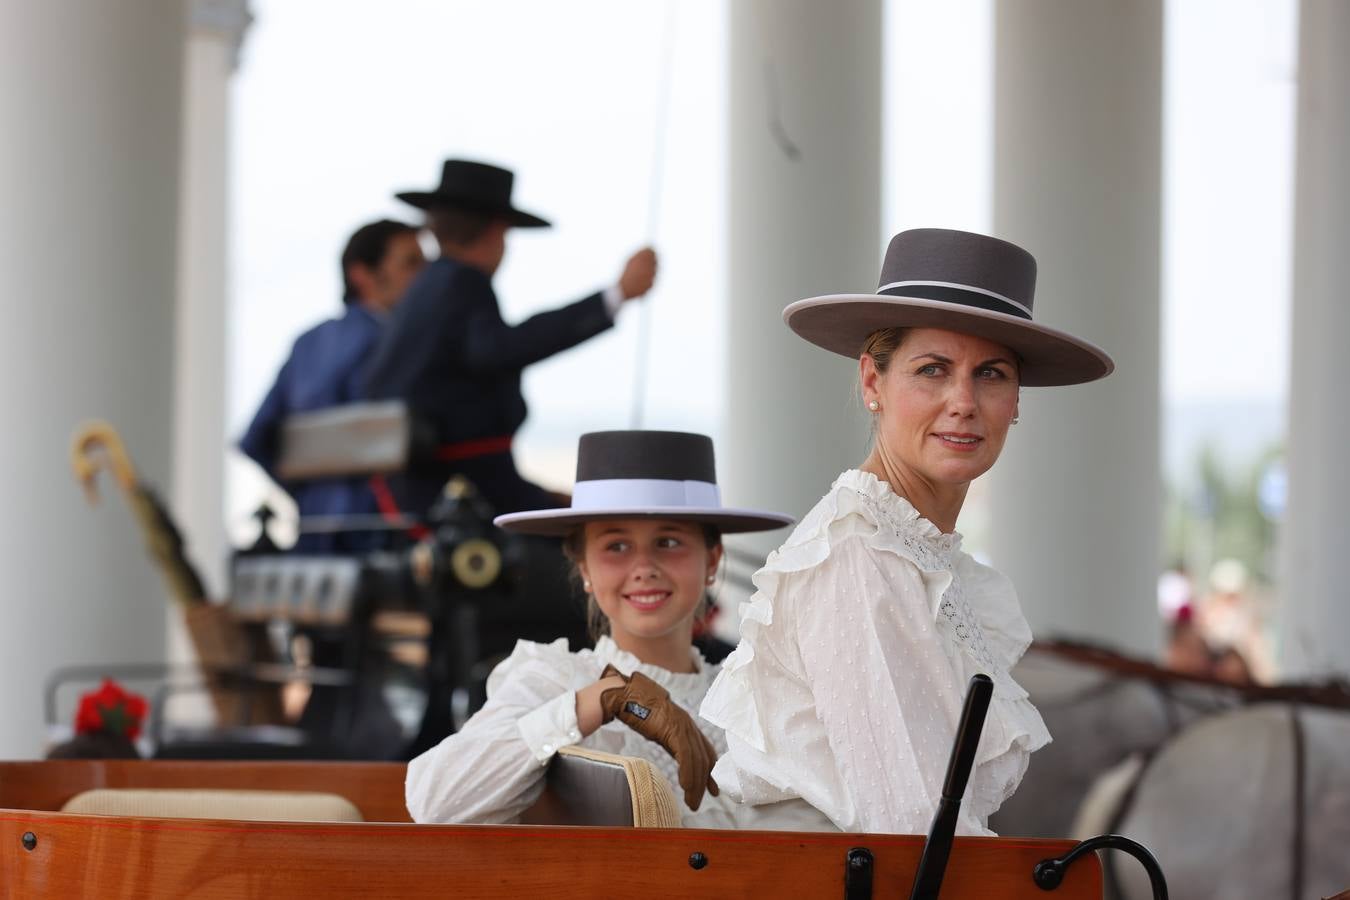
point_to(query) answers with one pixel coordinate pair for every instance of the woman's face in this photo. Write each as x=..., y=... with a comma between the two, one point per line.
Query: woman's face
x=945, y=403
x=648, y=576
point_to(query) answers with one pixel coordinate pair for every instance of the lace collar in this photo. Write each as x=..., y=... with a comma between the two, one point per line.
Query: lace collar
x=676, y=682
x=900, y=513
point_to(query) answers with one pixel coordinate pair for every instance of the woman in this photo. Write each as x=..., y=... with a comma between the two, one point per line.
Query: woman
x=644, y=534
x=867, y=624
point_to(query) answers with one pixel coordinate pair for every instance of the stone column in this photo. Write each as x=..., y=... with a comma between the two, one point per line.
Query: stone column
x=804, y=219
x=1315, y=543
x=90, y=99
x=1075, y=502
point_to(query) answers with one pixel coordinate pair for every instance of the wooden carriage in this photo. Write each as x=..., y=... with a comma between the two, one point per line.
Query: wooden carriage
x=46, y=852
x=605, y=826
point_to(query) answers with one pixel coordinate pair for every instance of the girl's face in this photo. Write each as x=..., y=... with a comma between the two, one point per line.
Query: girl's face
x=946, y=401
x=648, y=577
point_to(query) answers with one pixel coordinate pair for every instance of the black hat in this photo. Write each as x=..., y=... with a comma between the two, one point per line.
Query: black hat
x=959, y=281
x=475, y=186
x=644, y=474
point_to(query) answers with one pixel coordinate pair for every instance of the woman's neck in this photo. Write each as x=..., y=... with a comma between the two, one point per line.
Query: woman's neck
x=938, y=503
x=667, y=651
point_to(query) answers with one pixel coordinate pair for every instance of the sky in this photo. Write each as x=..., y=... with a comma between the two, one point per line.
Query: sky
x=340, y=103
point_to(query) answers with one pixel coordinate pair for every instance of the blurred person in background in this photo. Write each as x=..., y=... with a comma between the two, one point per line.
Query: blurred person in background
x=326, y=368
x=450, y=355
x=1228, y=618
x=1231, y=666
x=1187, y=651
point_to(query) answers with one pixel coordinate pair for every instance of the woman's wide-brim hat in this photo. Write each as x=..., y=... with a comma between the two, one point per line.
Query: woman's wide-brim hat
x=475, y=186
x=644, y=475
x=957, y=281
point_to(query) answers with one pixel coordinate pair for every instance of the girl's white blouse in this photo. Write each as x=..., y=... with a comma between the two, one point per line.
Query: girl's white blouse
x=856, y=651
x=492, y=770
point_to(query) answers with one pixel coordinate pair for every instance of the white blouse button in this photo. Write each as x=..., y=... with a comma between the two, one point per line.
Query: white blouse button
x=547, y=748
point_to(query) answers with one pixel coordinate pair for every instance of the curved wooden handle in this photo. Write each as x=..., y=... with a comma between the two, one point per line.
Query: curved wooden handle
x=97, y=445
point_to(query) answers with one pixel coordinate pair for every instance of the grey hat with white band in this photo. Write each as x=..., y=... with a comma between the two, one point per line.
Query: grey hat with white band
x=644, y=475
x=958, y=281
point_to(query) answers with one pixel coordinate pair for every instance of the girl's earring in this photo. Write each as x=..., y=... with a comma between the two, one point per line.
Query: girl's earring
x=1015, y=420
x=586, y=586
x=711, y=579
x=874, y=406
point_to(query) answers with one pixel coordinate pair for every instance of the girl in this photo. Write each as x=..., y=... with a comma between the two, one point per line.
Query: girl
x=644, y=534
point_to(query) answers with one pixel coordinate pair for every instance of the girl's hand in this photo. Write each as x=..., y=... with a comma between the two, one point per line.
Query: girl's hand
x=646, y=707
x=590, y=716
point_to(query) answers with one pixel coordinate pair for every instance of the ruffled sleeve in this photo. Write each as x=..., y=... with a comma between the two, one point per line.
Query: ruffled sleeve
x=1013, y=729
x=492, y=769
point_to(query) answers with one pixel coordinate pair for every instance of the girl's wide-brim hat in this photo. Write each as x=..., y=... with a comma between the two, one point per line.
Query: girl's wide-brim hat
x=957, y=281
x=644, y=475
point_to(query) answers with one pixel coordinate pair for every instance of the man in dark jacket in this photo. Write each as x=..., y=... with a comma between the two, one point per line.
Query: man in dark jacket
x=326, y=368
x=449, y=354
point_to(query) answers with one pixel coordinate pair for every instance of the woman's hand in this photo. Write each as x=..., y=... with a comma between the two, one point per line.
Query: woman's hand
x=646, y=707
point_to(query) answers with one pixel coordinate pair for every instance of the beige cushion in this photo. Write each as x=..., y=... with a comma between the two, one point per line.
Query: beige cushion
x=249, y=806
x=652, y=800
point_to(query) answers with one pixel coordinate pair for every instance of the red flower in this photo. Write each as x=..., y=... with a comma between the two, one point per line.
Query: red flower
x=88, y=720
x=111, y=710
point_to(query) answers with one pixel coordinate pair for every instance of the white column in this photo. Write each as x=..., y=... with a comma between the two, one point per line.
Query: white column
x=90, y=100
x=804, y=219
x=215, y=29
x=1315, y=598
x=1075, y=502
x=215, y=32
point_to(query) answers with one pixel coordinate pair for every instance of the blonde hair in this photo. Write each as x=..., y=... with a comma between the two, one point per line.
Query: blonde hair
x=597, y=623
x=882, y=344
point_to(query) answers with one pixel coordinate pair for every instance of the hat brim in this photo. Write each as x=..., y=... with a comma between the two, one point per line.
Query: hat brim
x=559, y=522
x=515, y=217
x=1047, y=356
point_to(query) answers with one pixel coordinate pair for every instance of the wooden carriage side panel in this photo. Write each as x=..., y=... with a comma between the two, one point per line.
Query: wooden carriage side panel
x=112, y=858
x=376, y=789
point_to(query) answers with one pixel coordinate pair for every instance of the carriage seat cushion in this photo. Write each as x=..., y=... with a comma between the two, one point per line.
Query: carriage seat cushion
x=249, y=806
x=581, y=771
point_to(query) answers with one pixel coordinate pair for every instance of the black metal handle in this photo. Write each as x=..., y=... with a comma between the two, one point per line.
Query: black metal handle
x=1049, y=873
x=933, y=862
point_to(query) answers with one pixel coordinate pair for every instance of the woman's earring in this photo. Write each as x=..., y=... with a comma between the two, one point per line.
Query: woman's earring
x=711, y=579
x=1014, y=420
x=586, y=586
x=874, y=406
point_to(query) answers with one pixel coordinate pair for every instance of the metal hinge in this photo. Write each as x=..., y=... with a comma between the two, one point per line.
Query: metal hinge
x=858, y=874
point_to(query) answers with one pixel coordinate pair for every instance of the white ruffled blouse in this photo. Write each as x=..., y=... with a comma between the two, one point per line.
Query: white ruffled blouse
x=492, y=770
x=856, y=652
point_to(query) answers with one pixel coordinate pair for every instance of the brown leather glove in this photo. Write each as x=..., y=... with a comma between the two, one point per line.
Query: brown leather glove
x=646, y=707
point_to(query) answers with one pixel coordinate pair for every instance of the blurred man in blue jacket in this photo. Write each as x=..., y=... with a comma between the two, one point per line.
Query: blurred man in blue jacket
x=326, y=368
x=450, y=355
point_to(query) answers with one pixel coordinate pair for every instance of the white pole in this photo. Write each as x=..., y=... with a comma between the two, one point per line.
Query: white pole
x=1076, y=500
x=90, y=98
x=1315, y=543
x=804, y=219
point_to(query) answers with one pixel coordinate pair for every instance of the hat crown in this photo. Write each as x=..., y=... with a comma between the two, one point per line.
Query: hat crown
x=659, y=455
x=476, y=181
x=924, y=261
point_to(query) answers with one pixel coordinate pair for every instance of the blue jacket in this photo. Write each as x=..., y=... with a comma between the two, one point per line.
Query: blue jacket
x=325, y=368
x=448, y=353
